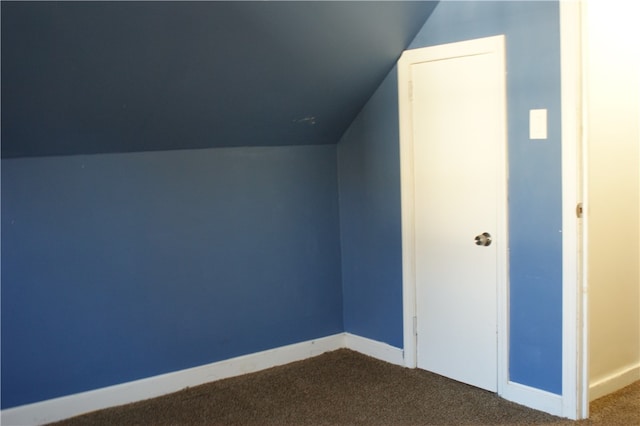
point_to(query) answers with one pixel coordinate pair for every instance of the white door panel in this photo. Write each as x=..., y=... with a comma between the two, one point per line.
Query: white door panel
x=457, y=114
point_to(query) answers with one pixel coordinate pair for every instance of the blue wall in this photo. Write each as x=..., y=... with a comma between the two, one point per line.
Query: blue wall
x=368, y=166
x=371, y=269
x=126, y=76
x=123, y=266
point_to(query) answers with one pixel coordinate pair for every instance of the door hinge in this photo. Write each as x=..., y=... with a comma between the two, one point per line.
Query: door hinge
x=579, y=210
x=415, y=326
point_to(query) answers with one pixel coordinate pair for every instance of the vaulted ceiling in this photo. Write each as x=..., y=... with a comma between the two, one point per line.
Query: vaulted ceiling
x=101, y=77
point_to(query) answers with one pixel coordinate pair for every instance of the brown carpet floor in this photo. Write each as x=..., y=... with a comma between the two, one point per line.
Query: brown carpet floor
x=346, y=388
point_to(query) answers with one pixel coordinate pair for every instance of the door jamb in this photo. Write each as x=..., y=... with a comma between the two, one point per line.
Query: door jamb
x=575, y=380
x=487, y=44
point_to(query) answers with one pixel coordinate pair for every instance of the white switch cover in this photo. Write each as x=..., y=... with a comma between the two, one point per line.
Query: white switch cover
x=538, y=124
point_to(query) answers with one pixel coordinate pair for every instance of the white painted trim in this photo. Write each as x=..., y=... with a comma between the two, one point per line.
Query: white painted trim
x=574, y=295
x=502, y=214
x=488, y=44
x=613, y=382
x=374, y=349
x=407, y=213
x=73, y=405
x=533, y=398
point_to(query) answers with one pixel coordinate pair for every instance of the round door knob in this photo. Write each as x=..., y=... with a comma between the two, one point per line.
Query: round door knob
x=483, y=239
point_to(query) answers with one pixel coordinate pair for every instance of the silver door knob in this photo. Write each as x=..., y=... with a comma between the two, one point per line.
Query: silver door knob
x=483, y=239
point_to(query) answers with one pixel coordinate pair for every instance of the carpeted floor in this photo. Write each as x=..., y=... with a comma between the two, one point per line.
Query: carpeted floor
x=346, y=388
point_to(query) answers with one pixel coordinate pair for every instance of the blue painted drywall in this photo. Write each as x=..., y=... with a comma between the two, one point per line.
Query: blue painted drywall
x=96, y=77
x=369, y=182
x=123, y=266
x=119, y=267
x=533, y=81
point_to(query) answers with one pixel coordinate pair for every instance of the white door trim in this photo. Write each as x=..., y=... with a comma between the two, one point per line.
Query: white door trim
x=477, y=46
x=575, y=381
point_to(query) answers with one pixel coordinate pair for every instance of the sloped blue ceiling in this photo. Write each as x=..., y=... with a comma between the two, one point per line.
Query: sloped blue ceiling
x=102, y=77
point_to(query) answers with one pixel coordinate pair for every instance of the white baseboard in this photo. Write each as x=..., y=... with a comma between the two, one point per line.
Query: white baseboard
x=374, y=349
x=69, y=406
x=614, y=382
x=533, y=398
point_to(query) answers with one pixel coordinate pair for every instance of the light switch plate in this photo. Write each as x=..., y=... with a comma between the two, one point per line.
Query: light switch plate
x=538, y=124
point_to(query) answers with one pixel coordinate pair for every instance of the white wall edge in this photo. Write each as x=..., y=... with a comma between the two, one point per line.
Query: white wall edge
x=69, y=406
x=533, y=398
x=375, y=349
x=614, y=382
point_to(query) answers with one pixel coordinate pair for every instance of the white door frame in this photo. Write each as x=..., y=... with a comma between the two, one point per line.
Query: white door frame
x=495, y=44
x=575, y=378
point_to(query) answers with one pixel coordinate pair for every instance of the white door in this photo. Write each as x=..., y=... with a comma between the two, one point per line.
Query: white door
x=458, y=111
